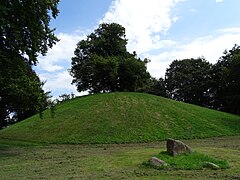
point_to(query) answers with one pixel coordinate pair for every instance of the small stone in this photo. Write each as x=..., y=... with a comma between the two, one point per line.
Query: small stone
x=211, y=165
x=175, y=147
x=157, y=162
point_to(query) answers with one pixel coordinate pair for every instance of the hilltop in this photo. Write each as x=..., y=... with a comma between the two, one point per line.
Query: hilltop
x=123, y=118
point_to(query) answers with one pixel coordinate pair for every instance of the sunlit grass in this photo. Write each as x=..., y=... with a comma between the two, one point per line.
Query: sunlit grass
x=191, y=161
x=123, y=118
x=114, y=161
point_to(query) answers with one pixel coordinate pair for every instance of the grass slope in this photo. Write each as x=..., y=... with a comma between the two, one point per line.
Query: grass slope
x=122, y=118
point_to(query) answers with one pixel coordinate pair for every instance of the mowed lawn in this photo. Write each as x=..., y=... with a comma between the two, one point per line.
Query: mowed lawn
x=119, y=161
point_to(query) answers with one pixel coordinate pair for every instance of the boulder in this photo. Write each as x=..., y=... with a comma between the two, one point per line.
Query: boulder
x=157, y=162
x=175, y=147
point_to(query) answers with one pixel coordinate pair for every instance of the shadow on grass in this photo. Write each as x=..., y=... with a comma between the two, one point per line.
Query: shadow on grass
x=6, y=151
x=9, y=148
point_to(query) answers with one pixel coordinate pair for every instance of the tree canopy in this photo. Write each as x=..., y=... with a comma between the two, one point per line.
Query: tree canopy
x=157, y=87
x=24, y=34
x=227, y=81
x=21, y=93
x=196, y=81
x=24, y=26
x=189, y=80
x=103, y=64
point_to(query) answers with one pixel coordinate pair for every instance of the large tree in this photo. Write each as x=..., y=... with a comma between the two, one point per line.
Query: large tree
x=24, y=34
x=189, y=80
x=103, y=64
x=227, y=81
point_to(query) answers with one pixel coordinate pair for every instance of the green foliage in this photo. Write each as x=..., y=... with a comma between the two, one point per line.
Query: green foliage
x=21, y=93
x=52, y=107
x=102, y=63
x=157, y=87
x=132, y=75
x=25, y=26
x=107, y=40
x=123, y=118
x=198, y=82
x=227, y=81
x=192, y=161
x=189, y=80
x=24, y=34
x=96, y=74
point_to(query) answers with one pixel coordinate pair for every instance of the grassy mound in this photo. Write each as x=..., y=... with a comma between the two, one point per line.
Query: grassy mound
x=192, y=161
x=123, y=118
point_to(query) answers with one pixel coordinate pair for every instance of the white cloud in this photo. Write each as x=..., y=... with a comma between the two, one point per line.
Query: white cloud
x=147, y=22
x=59, y=83
x=230, y=30
x=210, y=47
x=144, y=21
x=53, y=68
x=218, y=1
x=60, y=53
x=60, y=80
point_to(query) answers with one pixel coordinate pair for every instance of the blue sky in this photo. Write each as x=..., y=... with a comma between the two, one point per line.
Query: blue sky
x=161, y=30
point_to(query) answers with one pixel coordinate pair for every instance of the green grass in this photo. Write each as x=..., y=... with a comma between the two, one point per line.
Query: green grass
x=122, y=118
x=190, y=161
x=112, y=161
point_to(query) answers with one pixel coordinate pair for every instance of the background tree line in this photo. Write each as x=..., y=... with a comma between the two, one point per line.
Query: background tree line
x=196, y=81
